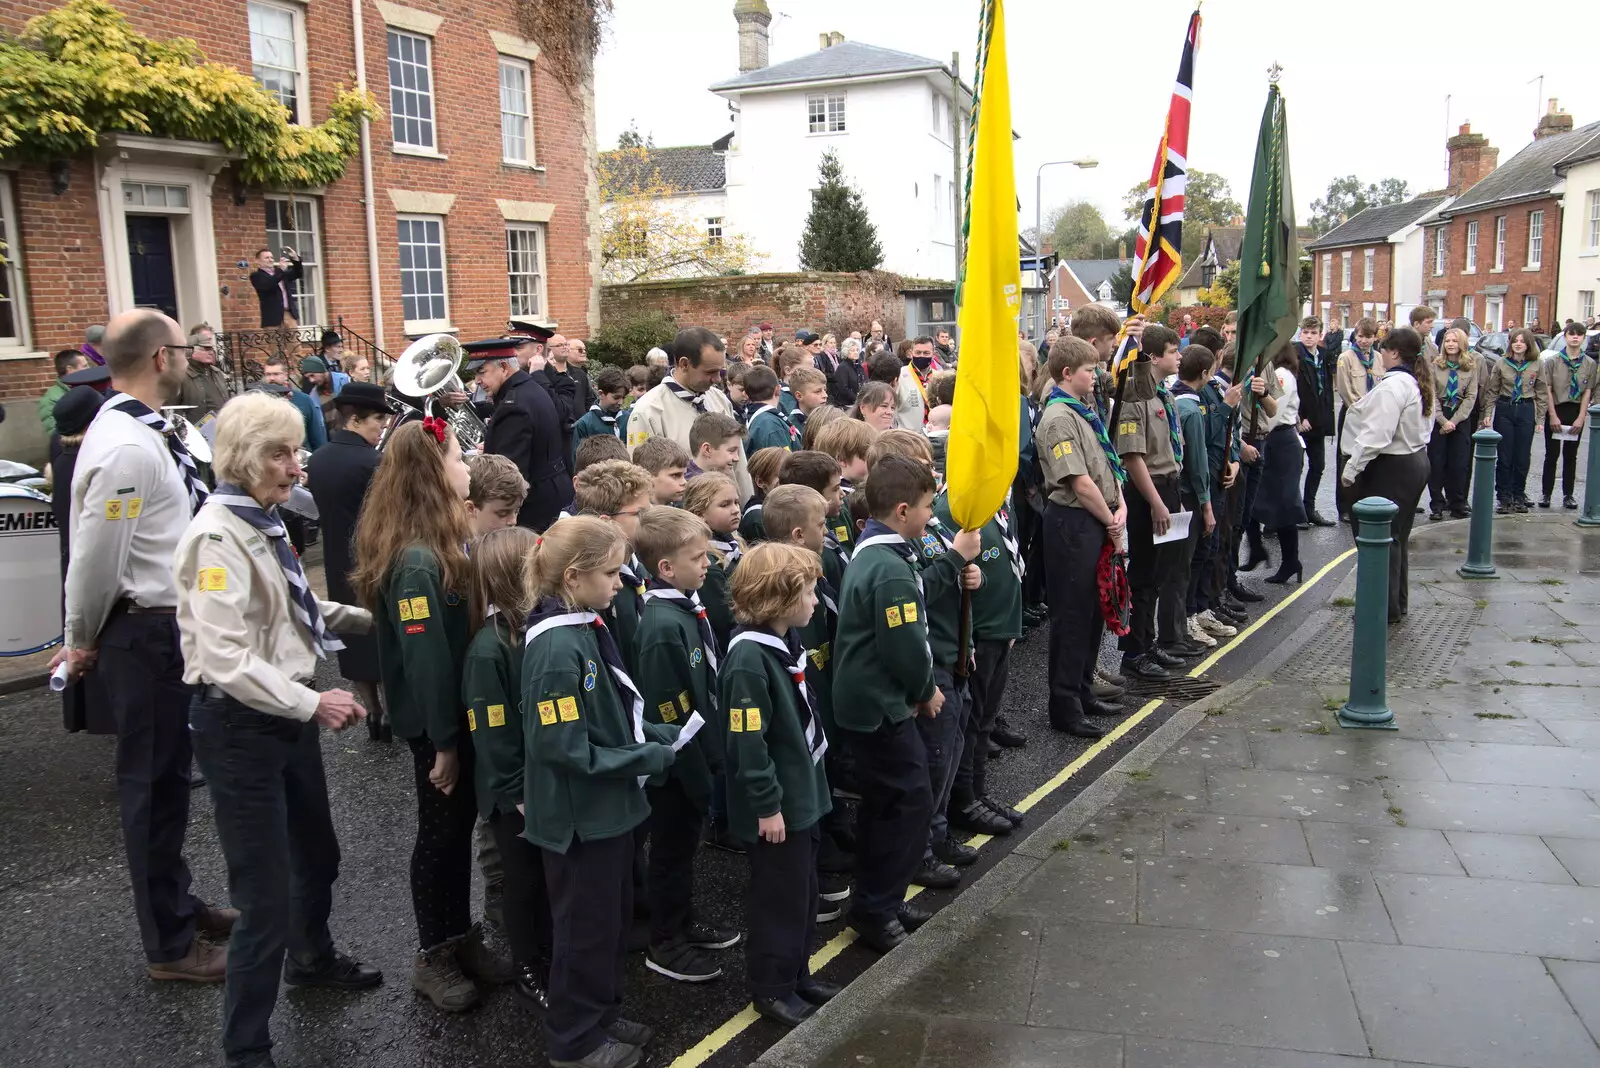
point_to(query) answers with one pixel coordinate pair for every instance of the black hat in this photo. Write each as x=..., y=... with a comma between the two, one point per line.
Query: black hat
x=806, y=337
x=366, y=395
x=528, y=330
x=75, y=410
x=331, y=337
x=495, y=348
x=93, y=375
x=277, y=389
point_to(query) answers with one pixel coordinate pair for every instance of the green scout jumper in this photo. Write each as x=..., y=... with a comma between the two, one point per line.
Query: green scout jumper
x=622, y=615
x=751, y=526
x=769, y=764
x=714, y=593
x=882, y=664
x=422, y=631
x=1194, y=476
x=770, y=429
x=941, y=584
x=997, y=604
x=594, y=423
x=817, y=636
x=840, y=525
x=491, y=686
x=584, y=757
x=676, y=677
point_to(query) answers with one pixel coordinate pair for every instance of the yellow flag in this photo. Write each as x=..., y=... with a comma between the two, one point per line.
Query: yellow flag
x=981, y=459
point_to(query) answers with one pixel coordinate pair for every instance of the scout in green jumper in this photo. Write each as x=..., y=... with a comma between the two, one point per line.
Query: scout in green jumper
x=764, y=467
x=603, y=417
x=777, y=786
x=677, y=658
x=848, y=442
x=714, y=498
x=414, y=576
x=769, y=423
x=491, y=687
x=588, y=752
x=618, y=491
x=820, y=472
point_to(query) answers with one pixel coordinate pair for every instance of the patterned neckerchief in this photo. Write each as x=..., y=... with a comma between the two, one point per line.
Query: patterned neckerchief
x=685, y=394
x=1574, y=380
x=1452, y=382
x=1366, y=361
x=1092, y=417
x=1517, y=369
x=1173, y=429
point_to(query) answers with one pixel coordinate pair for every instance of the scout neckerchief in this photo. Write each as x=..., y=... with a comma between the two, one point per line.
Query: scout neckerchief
x=879, y=534
x=550, y=613
x=609, y=419
x=752, y=505
x=695, y=400
x=794, y=662
x=831, y=541
x=1518, y=366
x=727, y=548
x=301, y=598
x=661, y=590
x=1452, y=381
x=1314, y=358
x=1173, y=431
x=1574, y=381
x=1002, y=520
x=922, y=378
x=777, y=413
x=1366, y=362
x=1092, y=417
x=633, y=574
x=169, y=433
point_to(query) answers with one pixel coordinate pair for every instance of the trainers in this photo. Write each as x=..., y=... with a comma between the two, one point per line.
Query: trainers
x=1105, y=691
x=481, y=963
x=631, y=1032
x=832, y=886
x=828, y=911
x=1569, y=501
x=608, y=1054
x=436, y=974
x=1197, y=633
x=704, y=936
x=682, y=962
x=204, y=963
x=1544, y=502
x=1110, y=677
x=954, y=853
x=1212, y=625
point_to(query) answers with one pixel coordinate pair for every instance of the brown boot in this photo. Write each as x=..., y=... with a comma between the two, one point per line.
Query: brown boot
x=215, y=922
x=482, y=963
x=436, y=973
x=204, y=963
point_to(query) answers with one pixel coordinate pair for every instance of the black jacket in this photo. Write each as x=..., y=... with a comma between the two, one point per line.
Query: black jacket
x=337, y=476
x=274, y=292
x=526, y=427
x=844, y=378
x=1315, y=382
x=574, y=395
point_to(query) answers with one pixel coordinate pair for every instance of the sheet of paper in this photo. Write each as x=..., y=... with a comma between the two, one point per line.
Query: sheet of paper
x=1179, y=529
x=1568, y=434
x=691, y=727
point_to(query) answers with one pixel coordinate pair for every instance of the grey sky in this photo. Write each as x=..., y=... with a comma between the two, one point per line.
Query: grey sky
x=1365, y=80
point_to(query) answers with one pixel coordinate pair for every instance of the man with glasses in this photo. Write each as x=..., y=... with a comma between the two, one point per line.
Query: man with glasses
x=134, y=490
x=206, y=387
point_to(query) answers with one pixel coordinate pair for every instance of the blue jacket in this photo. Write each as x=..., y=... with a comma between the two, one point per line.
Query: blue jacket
x=311, y=412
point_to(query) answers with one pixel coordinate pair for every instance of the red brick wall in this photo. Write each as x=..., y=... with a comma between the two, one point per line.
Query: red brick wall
x=1355, y=295
x=1520, y=281
x=790, y=302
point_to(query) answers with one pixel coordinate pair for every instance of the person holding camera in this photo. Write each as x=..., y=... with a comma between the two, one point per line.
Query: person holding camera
x=273, y=280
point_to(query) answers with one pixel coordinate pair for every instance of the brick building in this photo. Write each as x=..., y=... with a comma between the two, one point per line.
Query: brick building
x=1492, y=254
x=1370, y=265
x=484, y=201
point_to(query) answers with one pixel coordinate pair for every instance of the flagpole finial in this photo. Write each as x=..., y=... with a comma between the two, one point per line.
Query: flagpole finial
x=1274, y=72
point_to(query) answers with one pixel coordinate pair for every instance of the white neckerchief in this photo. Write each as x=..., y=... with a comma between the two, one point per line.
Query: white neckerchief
x=816, y=741
x=588, y=619
x=693, y=601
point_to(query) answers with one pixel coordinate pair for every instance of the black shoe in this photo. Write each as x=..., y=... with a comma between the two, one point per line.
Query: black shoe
x=978, y=818
x=1081, y=729
x=196, y=779
x=832, y=886
x=957, y=854
x=881, y=937
x=934, y=874
x=1248, y=596
x=994, y=749
x=828, y=911
x=1502, y=508
x=1007, y=738
x=1302, y=525
x=911, y=916
x=378, y=728
x=816, y=991
x=630, y=1031
x=609, y=1054
x=789, y=1011
x=1317, y=519
x=1167, y=657
x=1185, y=649
x=1144, y=667
x=530, y=986
x=1435, y=515
x=704, y=936
x=1005, y=812
x=340, y=973
x=1092, y=707
x=1520, y=507
x=1460, y=513
x=1545, y=501
x=722, y=838
x=682, y=962
x=1234, y=617
x=1283, y=576
x=1569, y=502
x=1257, y=558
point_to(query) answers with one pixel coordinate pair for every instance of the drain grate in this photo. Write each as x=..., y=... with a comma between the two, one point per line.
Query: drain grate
x=1422, y=649
x=1179, y=689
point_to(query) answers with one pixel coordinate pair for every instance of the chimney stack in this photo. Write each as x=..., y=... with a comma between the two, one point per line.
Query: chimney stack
x=828, y=40
x=1555, y=121
x=1471, y=160
x=753, y=17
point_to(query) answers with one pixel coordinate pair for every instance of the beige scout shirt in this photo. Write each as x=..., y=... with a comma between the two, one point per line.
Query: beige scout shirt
x=1350, y=378
x=661, y=413
x=237, y=623
x=1558, y=377
x=1143, y=430
x=1466, y=391
x=1067, y=448
x=1503, y=379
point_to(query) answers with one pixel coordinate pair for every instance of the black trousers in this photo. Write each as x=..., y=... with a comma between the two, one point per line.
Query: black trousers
x=1450, y=464
x=1513, y=421
x=1401, y=479
x=1567, y=452
x=1225, y=555
x=276, y=832
x=591, y=906
x=988, y=686
x=782, y=910
x=525, y=899
x=1075, y=539
x=1154, y=571
x=675, y=822
x=141, y=666
x=1316, y=462
x=1249, y=526
x=892, y=819
x=441, y=859
x=1203, y=588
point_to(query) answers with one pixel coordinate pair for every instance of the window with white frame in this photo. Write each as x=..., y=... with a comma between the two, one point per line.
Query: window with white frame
x=1585, y=304
x=714, y=231
x=1468, y=308
x=13, y=309
x=1369, y=261
x=278, y=53
x=825, y=113
x=516, y=110
x=1438, y=251
x=1344, y=272
x=411, y=89
x=423, y=293
x=941, y=116
x=1494, y=312
x=1535, y=238
x=292, y=222
x=1593, y=203
x=1437, y=304
x=1530, y=310
x=1327, y=273
x=525, y=269
x=1327, y=314
x=938, y=199
x=1500, y=242
x=1472, y=247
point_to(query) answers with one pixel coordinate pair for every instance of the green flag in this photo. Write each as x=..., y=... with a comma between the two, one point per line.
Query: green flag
x=1269, y=262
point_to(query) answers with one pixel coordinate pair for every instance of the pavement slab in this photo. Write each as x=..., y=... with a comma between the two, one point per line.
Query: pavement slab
x=1494, y=915
x=1158, y=1053
x=1520, y=857
x=1263, y=898
x=1201, y=834
x=1382, y=848
x=1096, y=884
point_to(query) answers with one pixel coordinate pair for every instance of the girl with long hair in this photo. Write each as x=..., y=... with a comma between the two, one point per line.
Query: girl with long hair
x=1455, y=388
x=875, y=405
x=412, y=572
x=1520, y=394
x=1279, y=506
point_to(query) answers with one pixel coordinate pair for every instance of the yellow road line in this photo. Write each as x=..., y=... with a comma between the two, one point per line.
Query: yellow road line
x=736, y=1025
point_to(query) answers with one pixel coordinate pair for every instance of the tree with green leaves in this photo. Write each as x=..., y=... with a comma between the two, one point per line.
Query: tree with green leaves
x=1347, y=196
x=1207, y=202
x=1122, y=284
x=839, y=235
x=632, y=138
x=1077, y=231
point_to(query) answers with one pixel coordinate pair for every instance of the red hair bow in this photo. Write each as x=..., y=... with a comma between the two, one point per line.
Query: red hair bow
x=434, y=426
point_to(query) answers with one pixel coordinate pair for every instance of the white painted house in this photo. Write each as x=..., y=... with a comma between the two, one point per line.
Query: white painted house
x=1578, y=279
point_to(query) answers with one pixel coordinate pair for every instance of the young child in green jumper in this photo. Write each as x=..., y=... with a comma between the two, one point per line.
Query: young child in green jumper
x=618, y=491
x=714, y=498
x=764, y=467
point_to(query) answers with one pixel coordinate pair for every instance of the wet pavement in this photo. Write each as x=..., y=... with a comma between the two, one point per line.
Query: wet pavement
x=1255, y=887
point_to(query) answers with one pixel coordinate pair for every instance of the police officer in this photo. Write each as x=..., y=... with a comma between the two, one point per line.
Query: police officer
x=526, y=427
x=252, y=634
x=133, y=493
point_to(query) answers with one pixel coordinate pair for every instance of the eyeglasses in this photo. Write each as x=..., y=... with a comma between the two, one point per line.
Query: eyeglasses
x=186, y=350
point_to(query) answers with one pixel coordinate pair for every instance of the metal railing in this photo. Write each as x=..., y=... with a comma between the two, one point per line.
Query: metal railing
x=244, y=352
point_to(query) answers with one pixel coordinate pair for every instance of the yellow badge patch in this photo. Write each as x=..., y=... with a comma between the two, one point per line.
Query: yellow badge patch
x=911, y=612
x=683, y=700
x=405, y=609
x=669, y=714
x=637, y=436
x=842, y=533
x=472, y=720
x=419, y=608
x=1127, y=428
x=1061, y=449
x=547, y=712
x=736, y=720
x=752, y=719
x=568, y=707
x=114, y=508
x=892, y=614
x=135, y=506
x=497, y=715
x=213, y=579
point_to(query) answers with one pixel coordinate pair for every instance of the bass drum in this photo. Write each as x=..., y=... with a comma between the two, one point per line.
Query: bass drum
x=30, y=572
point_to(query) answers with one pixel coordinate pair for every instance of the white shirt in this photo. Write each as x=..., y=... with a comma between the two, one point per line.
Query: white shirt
x=1388, y=421
x=129, y=508
x=910, y=411
x=1288, y=413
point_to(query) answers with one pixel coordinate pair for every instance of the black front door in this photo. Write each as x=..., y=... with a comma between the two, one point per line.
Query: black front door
x=150, y=263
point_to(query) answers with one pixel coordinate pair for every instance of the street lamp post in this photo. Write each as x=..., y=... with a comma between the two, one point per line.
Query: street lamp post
x=1038, y=207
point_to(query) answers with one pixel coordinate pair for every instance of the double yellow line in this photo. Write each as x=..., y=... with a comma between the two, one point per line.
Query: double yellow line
x=735, y=1025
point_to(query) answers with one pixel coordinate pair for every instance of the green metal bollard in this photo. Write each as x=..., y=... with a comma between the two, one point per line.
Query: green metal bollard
x=1591, y=475
x=1480, y=536
x=1368, y=706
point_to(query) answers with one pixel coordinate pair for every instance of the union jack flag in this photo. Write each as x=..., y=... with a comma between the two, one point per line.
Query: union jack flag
x=1158, y=253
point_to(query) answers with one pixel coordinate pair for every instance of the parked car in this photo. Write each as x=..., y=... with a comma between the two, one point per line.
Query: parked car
x=1495, y=344
x=1474, y=332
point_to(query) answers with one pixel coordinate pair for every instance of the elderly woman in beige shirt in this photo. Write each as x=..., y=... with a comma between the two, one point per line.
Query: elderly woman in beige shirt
x=252, y=634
